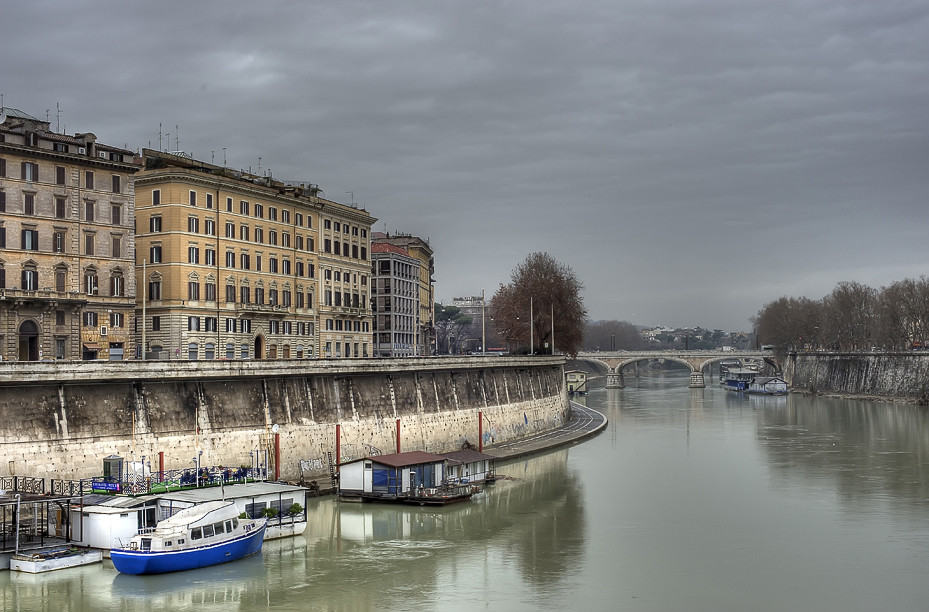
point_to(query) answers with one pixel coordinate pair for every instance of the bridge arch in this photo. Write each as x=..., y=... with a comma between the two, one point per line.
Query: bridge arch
x=617, y=361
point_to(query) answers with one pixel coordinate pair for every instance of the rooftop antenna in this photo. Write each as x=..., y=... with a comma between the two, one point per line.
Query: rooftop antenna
x=177, y=138
x=259, y=165
x=212, y=157
x=224, y=157
x=353, y=197
x=58, y=112
x=159, y=137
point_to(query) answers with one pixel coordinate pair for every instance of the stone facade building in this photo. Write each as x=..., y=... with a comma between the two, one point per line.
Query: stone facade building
x=67, y=252
x=395, y=301
x=419, y=249
x=239, y=266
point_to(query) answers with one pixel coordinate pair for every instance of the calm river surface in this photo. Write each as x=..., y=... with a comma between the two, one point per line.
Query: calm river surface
x=690, y=500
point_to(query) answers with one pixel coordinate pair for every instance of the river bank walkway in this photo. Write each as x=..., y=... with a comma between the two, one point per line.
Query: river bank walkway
x=583, y=423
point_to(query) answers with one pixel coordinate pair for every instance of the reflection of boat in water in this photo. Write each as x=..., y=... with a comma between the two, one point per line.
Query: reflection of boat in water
x=200, y=536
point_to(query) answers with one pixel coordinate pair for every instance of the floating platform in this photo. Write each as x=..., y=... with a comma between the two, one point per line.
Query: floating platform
x=50, y=559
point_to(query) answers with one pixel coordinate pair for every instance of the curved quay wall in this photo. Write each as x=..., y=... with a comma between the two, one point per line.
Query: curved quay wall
x=60, y=419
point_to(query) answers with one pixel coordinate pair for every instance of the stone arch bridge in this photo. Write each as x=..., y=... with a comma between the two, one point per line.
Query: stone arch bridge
x=697, y=361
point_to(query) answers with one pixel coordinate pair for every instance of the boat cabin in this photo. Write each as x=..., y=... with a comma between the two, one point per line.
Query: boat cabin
x=468, y=465
x=576, y=381
x=768, y=385
x=391, y=476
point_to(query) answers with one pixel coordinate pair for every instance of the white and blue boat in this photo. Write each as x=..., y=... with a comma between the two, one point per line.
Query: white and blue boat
x=200, y=536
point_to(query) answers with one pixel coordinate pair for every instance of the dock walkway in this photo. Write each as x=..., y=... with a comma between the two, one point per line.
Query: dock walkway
x=583, y=423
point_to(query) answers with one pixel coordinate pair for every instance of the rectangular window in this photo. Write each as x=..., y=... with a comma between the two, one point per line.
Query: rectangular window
x=259, y=211
x=193, y=225
x=155, y=254
x=230, y=230
x=272, y=265
x=59, y=242
x=60, y=208
x=116, y=214
x=210, y=293
x=30, y=280
x=193, y=323
x=193, y=290
x=298, y=242
x=117, y=286
x=192, y=198
x=90, y=284
x=89, y=211
x=117, y=184
x=209, y=227
x=2, y=165
x=230, y=259
x=156, y=323
x=154, y=224
x=230, y=295
x=230, y=326
x=193, y=255
x=259, y=235
x=90, y=319
x=285, y=267
x=29, y=204
x=117, y=319
x=209, y=201
x=117, y=244
x=60, y=314
x=210, y=323
x=245, y=261
x=30, y=240
x=89, y=244
x=285, y=216
x=228, y=204
x=156, y=197
x=59, y=175
x=272, y=213
x=210, y=259
x=243, y=232
x=154, y=290
x=2, y=201
x=327, y=245
x=89, y=179
x=259, y=295
x=30, y=171
x=244, y=296
x=257, y=263
x=298, y=219
x=272, y=297
x=243, y=207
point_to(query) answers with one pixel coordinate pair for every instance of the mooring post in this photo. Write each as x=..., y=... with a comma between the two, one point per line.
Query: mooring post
x=480, y=431
x=277, y=456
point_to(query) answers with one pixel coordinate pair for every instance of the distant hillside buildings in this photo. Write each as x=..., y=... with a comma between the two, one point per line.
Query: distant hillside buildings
x=108, y=255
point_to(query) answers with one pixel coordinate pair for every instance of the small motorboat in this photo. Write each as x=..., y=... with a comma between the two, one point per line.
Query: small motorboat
x=200, y=536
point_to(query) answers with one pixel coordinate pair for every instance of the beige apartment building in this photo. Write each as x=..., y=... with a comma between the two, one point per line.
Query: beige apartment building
x=67, y=253
x=420, y=250
x=233, y=265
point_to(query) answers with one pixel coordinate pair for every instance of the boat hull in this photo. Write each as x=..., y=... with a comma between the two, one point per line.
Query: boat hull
x=159, y=562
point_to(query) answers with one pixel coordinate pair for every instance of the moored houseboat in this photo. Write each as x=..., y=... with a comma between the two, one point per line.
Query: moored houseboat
x=414, y=477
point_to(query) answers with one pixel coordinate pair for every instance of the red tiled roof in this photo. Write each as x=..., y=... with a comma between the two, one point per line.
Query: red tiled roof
x=383, y=247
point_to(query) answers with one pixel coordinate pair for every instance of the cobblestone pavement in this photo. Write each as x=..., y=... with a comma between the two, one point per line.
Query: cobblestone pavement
x=583, y=423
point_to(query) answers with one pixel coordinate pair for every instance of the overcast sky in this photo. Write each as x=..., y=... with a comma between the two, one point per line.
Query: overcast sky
x=690, y=160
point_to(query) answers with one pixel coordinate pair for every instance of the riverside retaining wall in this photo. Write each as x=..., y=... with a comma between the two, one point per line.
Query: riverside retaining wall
x=60, y=419
x=903, y=375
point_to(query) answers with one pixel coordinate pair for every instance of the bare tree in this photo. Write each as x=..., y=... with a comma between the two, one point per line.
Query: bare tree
x=543, y=295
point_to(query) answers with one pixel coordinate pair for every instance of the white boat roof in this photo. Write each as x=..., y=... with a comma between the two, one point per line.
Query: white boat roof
x=201, y=514
x=232, y=492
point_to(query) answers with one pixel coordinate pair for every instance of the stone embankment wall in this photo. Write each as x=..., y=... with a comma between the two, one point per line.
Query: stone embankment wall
x=903, y=375
x=59, y=420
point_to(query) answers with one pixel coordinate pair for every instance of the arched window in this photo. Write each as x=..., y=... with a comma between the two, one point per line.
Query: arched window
x=192, y=351
x=230, y=351
x=209, y=352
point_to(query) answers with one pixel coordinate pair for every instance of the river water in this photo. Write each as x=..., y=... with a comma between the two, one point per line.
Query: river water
x=689, y=500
